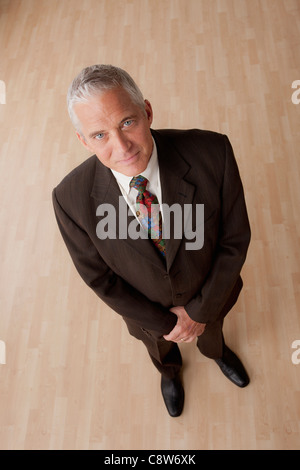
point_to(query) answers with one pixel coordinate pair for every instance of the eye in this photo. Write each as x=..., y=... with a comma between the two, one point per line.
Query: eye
x=128, y=123
x=99, y=136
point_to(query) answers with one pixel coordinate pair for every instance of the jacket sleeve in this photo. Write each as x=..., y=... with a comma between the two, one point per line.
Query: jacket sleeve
x=231, y=249
x=111, y=288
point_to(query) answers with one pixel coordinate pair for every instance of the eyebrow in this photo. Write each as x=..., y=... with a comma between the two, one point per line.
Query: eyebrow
x=127, y=118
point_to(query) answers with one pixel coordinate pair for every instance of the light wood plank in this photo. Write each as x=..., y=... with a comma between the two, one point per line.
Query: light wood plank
x=69, y=381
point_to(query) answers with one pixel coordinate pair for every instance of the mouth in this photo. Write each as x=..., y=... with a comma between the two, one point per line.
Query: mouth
x=130, y=159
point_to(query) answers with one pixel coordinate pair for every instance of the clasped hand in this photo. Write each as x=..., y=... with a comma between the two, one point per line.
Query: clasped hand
x=185, y=329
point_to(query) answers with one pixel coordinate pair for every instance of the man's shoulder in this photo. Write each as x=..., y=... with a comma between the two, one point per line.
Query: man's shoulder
x=196, y=146
x=78, y=183
x=85, y=170
x=186, y=138
x=84, y=173
x=183, y=134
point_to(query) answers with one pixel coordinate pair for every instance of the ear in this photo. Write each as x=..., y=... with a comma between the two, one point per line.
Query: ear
x=149, y=112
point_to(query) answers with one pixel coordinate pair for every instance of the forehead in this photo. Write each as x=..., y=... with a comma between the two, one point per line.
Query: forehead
x=106, y=109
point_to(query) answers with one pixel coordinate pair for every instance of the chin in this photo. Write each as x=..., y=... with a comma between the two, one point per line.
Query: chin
x=135, y=168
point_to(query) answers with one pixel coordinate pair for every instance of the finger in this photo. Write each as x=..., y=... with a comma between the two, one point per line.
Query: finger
x=181, y=332
x=178, y=338
x=174, y=334
x=173, y=337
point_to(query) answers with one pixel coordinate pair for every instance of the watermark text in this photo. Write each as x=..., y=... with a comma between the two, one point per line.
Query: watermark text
x=296, y=354
x=2, y=92
x=296, y=94
x=178, y=221
x=2, y=352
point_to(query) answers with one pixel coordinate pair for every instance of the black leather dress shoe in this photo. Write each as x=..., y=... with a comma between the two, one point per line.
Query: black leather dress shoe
x=173, y=395
x=232, y=368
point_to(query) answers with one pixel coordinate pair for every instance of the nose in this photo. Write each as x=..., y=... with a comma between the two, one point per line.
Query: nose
x=121, y=142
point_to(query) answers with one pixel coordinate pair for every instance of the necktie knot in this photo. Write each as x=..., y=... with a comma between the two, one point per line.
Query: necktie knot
x=139, y=182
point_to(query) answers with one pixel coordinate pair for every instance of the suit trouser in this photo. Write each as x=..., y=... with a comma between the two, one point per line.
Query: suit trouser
x=166, y=356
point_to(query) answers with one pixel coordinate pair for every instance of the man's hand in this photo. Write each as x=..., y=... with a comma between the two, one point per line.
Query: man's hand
x=185, y=329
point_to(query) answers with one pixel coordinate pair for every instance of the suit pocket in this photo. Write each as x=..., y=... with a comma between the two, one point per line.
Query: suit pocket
x=146, y=332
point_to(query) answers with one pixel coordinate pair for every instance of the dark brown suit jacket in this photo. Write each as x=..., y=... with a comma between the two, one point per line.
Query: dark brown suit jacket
x=196, y=167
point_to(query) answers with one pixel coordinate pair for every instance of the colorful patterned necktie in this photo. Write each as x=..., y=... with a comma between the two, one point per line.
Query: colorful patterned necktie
x=148, y=212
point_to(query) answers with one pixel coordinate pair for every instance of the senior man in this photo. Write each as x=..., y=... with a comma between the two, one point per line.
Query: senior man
x=167, y=288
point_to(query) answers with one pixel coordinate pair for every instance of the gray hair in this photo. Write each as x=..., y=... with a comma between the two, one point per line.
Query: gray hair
x=96, y=79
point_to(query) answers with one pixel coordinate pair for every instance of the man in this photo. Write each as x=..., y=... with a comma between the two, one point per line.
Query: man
x=166, y=288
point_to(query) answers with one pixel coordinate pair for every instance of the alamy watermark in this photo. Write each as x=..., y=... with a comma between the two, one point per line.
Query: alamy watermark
x=2, y=352
x=177, y=220
x=296, y=95
x=296, y=354
x=2, y=92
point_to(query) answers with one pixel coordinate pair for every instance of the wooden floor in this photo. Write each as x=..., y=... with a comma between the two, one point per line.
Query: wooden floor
x=69, y=381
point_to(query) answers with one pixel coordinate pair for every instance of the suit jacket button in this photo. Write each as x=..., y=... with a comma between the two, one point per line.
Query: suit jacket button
x=178, y=296
x=166, y=276
x=138, y=213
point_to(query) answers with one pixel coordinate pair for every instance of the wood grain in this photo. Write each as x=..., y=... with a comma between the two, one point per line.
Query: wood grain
x=69, y=380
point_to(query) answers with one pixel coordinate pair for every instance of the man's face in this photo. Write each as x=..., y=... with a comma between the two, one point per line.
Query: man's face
x=116, y=130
